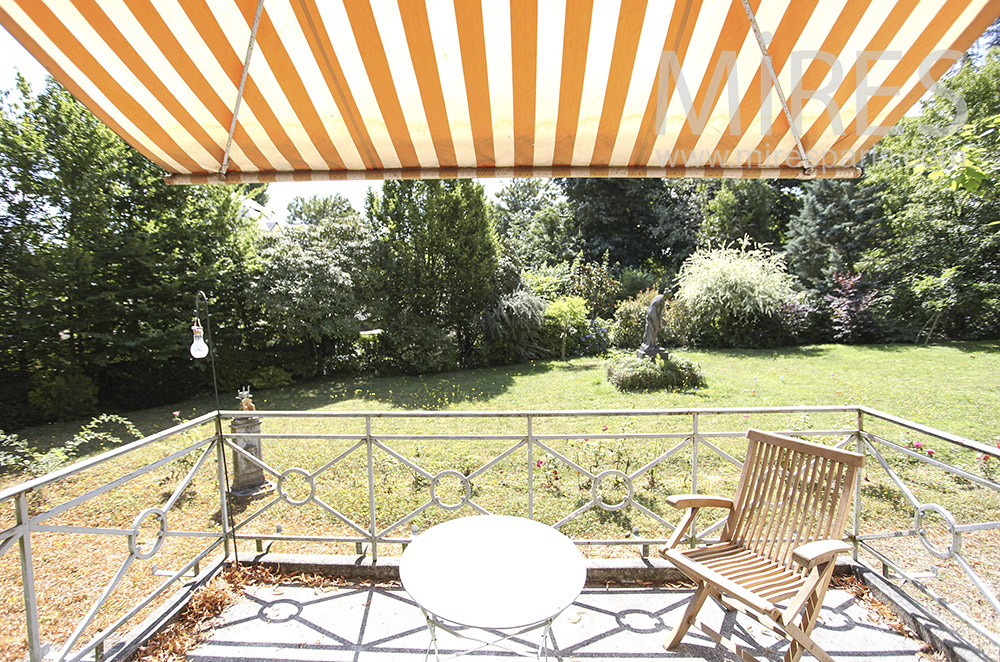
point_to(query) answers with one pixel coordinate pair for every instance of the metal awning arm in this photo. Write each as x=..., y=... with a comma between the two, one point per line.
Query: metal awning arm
x=807, y=166
x=239, y=92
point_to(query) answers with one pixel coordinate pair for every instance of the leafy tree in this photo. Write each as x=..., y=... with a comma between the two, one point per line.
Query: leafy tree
x=436, y=259
x=100, y=257
x=519, y=201
x=316, y=209
x=937, y=256
x=545, y=238
x=734, y=208
x=834, y=227
x=637, y=222
x=569, y=317
x=306, y=288
x=595, y=284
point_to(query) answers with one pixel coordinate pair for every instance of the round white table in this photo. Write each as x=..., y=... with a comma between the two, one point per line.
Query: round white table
x=492, y=572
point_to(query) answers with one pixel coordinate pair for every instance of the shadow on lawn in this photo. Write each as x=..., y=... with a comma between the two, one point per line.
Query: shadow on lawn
x=419, y=392
x=966, y=347
x=800, y=351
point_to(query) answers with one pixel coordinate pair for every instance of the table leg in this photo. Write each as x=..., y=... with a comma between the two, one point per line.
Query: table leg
x=434, y=641
x=543, y=647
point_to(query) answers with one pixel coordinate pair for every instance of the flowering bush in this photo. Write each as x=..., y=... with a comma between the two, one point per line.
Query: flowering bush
x=988, y=464
x=921, y=448
x=595, y=340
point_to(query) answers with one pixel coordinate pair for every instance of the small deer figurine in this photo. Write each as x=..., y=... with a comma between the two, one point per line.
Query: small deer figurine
x=246, y=399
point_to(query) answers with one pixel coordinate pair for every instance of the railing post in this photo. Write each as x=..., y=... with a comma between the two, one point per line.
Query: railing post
x=371, y=485
x=531, y=472
x=694, y=474
x=35, y=652
x=860, y=441
x=220, y=454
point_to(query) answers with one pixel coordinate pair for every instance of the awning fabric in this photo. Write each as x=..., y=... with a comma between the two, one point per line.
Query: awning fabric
x=351, y=89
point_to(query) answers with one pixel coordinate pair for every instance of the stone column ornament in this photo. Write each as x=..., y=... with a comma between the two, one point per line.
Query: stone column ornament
x=248, y=478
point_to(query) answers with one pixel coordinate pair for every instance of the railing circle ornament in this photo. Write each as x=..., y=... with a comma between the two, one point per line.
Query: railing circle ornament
x=299, y=472
x=133, y=538
x=595, y=489
x=956, y=536
x=466, y=485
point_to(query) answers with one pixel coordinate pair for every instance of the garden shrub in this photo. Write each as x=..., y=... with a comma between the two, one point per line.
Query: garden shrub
x=140, y=384
x=63, y=392
x=851, y=310
x=596, y=340
x=512, y=328
x=417, y=346
x=732, y=296
x=15, y=454
x=565, y=322
x=805, y=319
x=271, y=376
x=629, y=323
x=630, y=373
x=104, y=431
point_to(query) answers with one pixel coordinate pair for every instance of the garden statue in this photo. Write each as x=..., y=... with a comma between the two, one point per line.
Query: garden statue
x=650, y=348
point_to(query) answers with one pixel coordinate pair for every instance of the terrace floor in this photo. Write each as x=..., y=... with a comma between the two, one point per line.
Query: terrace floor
x=353, y=624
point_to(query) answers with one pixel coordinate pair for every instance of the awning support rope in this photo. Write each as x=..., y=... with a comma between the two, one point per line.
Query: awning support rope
x=808, y=168
x=239, y=94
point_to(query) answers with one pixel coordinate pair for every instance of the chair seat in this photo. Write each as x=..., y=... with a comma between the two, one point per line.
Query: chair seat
x=761, y=575
x=750, y=578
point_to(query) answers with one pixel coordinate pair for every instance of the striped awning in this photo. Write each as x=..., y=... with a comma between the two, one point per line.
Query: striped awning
x=283, y=90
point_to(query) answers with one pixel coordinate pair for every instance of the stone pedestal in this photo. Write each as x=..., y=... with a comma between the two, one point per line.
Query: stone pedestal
x=247, y=478
x=651, y=353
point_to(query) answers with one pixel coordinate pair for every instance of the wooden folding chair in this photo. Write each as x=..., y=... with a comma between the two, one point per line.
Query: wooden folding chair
x=780, y=542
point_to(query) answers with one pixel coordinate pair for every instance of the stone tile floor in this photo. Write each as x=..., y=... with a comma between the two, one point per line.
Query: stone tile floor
x=300, y=623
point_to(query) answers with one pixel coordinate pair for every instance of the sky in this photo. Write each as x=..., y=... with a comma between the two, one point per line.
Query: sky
x=280, y=195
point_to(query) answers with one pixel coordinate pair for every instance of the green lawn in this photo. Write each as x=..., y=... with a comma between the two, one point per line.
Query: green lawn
x=953, y=387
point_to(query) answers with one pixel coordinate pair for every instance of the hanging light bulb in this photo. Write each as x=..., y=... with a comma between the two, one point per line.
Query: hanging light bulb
x=199, y=349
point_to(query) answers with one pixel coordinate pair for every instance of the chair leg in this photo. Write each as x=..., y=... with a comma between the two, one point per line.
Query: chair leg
x=697, y=600
x=801, y=639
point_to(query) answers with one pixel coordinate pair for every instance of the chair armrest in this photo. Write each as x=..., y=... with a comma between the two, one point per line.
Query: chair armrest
x=692, y=503
x=698, y=501
x=819, y=551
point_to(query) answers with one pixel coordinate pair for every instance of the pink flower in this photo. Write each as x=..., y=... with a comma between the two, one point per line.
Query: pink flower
x=604, y=428
x=918, y=444
x=175, y=414
x=930, y=451
x=539, y=463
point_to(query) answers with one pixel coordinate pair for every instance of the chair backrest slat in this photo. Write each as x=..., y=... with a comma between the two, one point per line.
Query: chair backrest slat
x=790, y=493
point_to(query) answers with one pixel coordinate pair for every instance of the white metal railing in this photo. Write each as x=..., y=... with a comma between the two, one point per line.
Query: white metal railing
x=525, y=437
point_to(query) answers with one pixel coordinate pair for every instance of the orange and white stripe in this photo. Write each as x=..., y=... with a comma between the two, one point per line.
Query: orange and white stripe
x=359, y=89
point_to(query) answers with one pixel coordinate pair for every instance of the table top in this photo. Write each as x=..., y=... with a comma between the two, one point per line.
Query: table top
x=493, y=571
